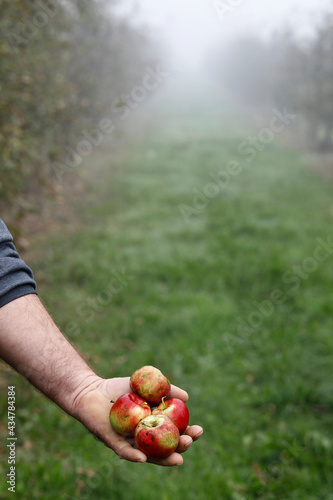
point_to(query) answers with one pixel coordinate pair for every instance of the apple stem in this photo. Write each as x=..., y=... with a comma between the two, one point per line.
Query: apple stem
x=163, y=403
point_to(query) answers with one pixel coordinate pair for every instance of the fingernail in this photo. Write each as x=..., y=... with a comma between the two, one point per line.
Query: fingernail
x=188, y=444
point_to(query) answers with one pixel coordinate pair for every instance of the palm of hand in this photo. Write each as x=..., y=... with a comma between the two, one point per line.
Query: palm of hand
x=93, y=410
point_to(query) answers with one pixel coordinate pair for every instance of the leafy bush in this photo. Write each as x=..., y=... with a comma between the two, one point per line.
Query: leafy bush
x=62, y=63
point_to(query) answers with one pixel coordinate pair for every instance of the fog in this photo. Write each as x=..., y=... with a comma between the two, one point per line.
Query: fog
x=263, y=54
x=190, y=28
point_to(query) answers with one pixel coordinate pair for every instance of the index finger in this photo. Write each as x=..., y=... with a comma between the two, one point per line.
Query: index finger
x=177, y=392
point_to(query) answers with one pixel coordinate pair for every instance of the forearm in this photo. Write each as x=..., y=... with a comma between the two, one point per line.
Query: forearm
x=34, y=346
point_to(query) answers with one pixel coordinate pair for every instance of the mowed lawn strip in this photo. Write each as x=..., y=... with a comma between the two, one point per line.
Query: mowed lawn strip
x=215, y=301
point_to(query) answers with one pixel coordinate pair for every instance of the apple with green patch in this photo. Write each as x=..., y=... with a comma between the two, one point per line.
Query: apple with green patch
x=127, y=412
x=156, y=436
x=150, y=384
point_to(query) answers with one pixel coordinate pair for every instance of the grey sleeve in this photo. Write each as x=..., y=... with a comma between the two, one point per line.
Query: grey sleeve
x=16, y=278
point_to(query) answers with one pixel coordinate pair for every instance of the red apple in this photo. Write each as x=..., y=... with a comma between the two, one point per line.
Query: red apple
x=126, y=413
x=150, y=383
x=176, y=410
x=156, y=436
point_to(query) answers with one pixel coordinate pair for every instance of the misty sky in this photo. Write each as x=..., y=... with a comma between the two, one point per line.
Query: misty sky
x=192, y=26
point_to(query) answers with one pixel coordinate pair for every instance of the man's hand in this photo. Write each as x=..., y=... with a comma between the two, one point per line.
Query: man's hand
x=92, y=407
x=31, y=343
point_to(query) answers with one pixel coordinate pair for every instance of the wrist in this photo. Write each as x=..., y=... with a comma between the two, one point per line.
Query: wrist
x=86, y=383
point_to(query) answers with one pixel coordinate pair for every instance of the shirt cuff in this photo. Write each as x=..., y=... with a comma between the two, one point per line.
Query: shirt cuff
x=16, y=293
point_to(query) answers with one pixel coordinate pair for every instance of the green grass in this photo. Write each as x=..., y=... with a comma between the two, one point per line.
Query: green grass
x=263, y=394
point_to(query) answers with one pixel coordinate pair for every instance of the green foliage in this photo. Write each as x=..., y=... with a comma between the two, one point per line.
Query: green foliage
x=264, y=399
x=61, y=65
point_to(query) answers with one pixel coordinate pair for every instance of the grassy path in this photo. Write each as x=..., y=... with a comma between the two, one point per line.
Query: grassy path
x=213, y=299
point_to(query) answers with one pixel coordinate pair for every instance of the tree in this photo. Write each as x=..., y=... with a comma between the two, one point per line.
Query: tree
x=62, y=63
